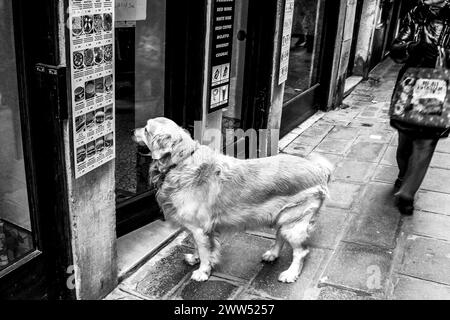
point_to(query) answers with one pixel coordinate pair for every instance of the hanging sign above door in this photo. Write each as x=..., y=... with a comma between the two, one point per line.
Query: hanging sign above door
x=221, y=51
x=92, y=83
x=286, y=41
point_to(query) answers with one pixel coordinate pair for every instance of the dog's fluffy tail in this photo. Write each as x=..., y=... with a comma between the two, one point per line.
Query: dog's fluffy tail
x=324, y=163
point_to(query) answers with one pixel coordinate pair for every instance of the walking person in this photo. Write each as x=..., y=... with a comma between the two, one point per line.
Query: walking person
x=424, y=28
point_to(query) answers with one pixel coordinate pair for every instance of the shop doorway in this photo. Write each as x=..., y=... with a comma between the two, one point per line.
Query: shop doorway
x=159, y=68
x=250, y=77
x=356, y=27
x=384, y=31
x=313, y=33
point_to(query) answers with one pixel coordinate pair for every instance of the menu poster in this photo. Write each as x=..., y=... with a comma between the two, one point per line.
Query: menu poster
x=222, y=48
x=92, y=74
x=286, y=41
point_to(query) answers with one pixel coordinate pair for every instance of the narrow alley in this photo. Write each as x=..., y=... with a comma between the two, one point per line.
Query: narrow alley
x=362, y=247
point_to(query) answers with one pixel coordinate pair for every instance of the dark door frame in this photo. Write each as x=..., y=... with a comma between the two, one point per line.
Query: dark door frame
x=261, y=24
x=43, y=274
x=356, y=27
x=184, y=65
x=301, y=107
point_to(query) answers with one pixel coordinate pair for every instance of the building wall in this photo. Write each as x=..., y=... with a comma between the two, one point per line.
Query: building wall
x=92, y=216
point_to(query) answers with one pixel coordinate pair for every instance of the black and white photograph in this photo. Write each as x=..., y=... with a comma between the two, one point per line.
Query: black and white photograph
x=225, y=157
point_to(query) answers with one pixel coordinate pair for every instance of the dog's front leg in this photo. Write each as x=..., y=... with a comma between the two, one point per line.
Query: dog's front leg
x=204, y=251
x=192, y=258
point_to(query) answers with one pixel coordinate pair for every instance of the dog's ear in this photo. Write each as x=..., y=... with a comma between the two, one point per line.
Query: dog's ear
x=161, y=146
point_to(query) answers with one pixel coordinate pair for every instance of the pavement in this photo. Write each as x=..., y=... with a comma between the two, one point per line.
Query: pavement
x=362, y=248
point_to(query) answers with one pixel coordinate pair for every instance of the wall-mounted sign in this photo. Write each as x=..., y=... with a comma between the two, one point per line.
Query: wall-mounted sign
x=130, y=10
x=92, y=77
x=286, y=41
x=221, y=51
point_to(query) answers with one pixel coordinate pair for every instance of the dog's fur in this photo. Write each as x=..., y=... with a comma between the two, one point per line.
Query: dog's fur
x=209, y=193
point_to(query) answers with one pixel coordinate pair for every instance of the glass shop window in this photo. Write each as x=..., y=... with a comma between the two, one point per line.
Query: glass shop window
x=305, y=50
x=140, y=60
x=15, y=223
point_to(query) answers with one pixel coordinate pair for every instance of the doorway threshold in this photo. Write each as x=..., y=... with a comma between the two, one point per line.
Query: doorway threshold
x=136, y=248
x=351, y=83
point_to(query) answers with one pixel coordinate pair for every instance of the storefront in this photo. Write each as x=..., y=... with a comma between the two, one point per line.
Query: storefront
x=309, y=70
x=83, y=73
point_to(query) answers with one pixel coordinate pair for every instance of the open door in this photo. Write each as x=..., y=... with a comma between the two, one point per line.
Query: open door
x=35, y=255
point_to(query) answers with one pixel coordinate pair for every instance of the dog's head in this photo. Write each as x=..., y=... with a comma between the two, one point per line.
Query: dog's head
x=164, y=140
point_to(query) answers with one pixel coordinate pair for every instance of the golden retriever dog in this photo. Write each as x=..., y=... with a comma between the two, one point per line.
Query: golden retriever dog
x=209, y=194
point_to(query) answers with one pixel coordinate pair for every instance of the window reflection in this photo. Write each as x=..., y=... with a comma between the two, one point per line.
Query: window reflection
x=140, y=59
x=15, y=226
x=303, y=48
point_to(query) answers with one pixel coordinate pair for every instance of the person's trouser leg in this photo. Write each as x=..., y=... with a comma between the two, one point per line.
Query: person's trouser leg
x=419, y=162
x=404, y=151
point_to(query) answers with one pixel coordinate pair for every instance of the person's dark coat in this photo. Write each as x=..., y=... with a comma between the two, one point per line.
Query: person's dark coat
x=416, y=45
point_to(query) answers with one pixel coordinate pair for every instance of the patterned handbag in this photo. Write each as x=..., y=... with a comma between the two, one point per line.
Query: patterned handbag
x=422, y=97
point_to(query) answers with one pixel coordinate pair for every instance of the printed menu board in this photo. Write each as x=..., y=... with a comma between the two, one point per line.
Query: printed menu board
x=92, y=75
x=286, y=41
x=222, y=48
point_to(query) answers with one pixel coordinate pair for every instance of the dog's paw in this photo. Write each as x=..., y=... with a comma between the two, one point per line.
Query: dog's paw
x=288, y=276
x=269, y=256
x=191, y=259
x=199, y=276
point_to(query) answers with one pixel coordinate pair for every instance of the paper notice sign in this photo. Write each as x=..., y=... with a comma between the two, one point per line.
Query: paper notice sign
x=286, y=41
x=92, y=83
x=429, y=96
x=131, y=10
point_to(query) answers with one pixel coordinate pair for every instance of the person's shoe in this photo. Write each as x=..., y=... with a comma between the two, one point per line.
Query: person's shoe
x=397, y=184
x=405, y=206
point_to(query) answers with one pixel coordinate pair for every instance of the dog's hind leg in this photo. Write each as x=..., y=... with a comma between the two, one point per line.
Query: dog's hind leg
x=296, y=233
x=274, y=252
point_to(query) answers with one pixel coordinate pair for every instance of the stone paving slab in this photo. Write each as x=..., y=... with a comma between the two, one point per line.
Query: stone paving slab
x=437, y=180
x=160, y=275
x=334, y=146
x=213, y=289
x=343, y=195
x=441, y=160
x=118, y=294
x=366, y=151
x=429, y=224
x=359, y=267
x=433, y=202
x=343, y=133
x=354, y=171
x=243, y=261
x=427, y=259
x=386, y=174
x=407, y=288
x=376, y=221
x=443, y=146
x=331, y=293
x=330, y=225
x=333, y=158
x=298, y=148
x=389, y=157
x=267, y=285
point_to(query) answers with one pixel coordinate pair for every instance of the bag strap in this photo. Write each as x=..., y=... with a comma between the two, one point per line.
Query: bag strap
x=441, y=62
